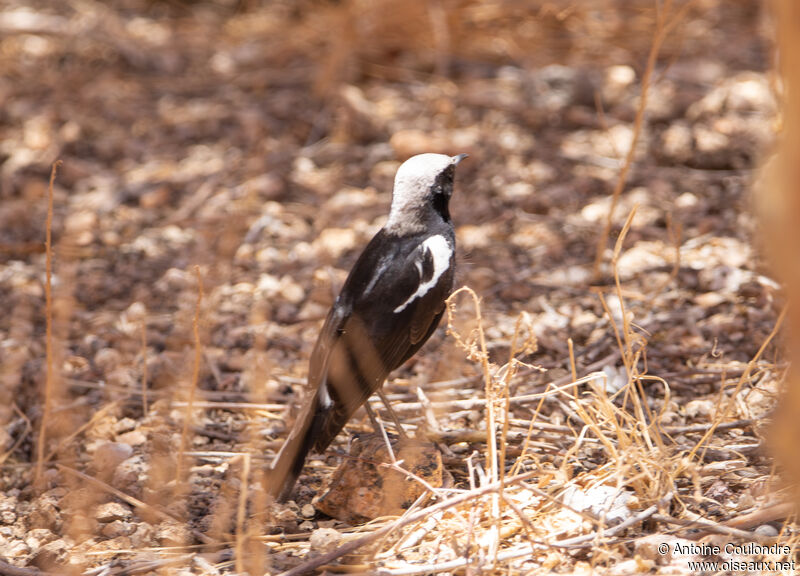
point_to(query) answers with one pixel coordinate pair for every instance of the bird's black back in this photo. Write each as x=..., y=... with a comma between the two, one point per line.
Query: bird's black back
x=364, y=337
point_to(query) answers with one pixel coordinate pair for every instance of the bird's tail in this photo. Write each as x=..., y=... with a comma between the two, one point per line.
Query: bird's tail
x=288, y=464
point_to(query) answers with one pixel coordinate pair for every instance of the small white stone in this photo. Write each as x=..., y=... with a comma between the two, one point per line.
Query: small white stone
x=324, y=539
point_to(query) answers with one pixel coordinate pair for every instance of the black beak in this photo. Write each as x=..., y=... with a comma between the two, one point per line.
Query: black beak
x=459, y=158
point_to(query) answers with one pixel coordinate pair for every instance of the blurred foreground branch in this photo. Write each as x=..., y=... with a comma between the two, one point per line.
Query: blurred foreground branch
x=779, y=203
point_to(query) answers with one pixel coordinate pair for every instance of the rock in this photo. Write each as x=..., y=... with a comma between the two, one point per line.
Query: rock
x=265, y=186
x=171, y=533
x=306, y=526
x=118, y=528
x=557, y=87
x=51, y=554
x=8, y=509
x=111, y=511
x=668, y=417
x=106, y=359
x=15, y=549
x=358, y=119
x=143, y=536
x=130, y=474
x=109, y=455
x=324, y=539
x=702, y=408
x=600, y=500
x=80, y=227
x=335, y=241
x=38, y=537
x=745, y=93
x=617, y=81
x=677, y=143
x=360, y=490
x=133, y=438
x=155, y=198
x=45, y=513
x=124, y=425
x=767, y=531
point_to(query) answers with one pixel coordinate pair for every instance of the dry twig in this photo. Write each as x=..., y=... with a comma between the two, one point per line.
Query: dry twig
x=48, y=294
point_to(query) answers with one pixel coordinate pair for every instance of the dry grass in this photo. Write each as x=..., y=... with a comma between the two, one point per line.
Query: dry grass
x=198, y=358
x=50, y=376
x=521, y=514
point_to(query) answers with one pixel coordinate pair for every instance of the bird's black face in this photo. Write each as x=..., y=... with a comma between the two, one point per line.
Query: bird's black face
x=443, y=185
x=422, y=189
x=441, y=190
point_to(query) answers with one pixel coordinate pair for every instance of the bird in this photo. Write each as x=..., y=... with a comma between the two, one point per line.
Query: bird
x=390, y=304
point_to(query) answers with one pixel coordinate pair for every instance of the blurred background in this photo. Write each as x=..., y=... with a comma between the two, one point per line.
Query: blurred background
x=258, y=140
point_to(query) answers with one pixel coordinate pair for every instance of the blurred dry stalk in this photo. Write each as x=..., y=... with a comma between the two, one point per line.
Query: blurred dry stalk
x=143, y=331
x=779, y=202
x=664, y=24
x=394, y=39
x=242, y=536
x=50, y=375
x=198, y=358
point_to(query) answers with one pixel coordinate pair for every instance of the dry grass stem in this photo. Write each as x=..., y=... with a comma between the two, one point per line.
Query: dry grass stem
x=241, y=514
x=143, y=331
x=664, y=25
x=354, y=545
x=50, y=375
x=198, y=358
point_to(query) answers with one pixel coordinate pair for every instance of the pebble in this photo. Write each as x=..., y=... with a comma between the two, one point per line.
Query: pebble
x=133, y=438
x=117, y=528
x=111, y=511
x=38, y=537
x=8, y=507
x=109, y=455
x=696, y=408
x=143, y=536
x=335, y=241
x=52, y=553
x=156, y=198
x=106, y=359
x=618, y=80
x=324, y=539
x=80, y=227
x=767, y=530
x=130, y=473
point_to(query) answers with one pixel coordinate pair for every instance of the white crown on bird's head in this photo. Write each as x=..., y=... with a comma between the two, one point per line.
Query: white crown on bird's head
x=414, y=183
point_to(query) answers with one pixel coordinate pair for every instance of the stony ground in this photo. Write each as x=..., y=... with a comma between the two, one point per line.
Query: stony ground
x=250, y=147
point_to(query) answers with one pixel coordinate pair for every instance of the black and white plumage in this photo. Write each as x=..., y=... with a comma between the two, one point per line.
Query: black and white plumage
x=389, y=306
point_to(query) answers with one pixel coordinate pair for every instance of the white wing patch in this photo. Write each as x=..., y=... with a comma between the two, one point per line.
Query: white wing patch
x=441, y=252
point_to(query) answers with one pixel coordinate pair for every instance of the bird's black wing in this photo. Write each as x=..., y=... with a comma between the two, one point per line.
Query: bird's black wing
x=398, y=315
x=375, y=325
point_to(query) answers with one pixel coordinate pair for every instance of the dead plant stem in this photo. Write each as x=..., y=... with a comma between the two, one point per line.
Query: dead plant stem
x=655, y=47
x=350, y=547
x=48, y=295
x=198, y=357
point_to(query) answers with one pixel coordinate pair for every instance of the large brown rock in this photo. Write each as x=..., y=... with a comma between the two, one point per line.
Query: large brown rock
x=362, y=489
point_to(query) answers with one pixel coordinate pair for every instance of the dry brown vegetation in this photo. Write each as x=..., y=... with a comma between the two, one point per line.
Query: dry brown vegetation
x=605, y=385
